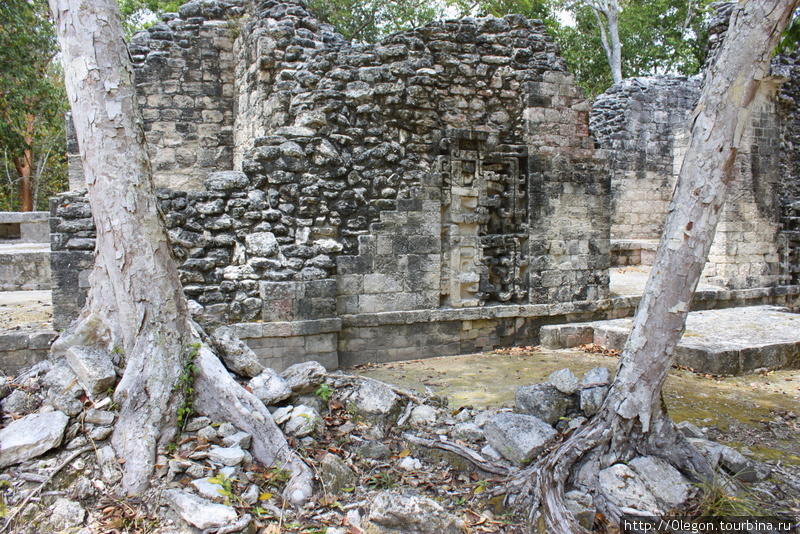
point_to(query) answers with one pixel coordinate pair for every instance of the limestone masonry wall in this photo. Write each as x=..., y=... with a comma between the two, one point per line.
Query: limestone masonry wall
x=437, y=193
x=449, y=167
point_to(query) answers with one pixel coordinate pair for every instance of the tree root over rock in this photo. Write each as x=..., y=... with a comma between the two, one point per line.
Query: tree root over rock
x=606, y=440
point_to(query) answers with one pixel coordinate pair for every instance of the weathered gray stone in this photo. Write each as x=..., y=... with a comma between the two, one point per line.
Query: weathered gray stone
x=592, y=398
x=99, y=417
x=302, y=422
x=582, y=507
x=229, y=456
x=196, y=423
x=93, y=367
x=239, y=439
x=109, y=467
x=622, y=486
x=424, y=415
x=206, y=489
x=270, y=387
x=373, y=402
x=398, y=513
x=564, y=381
x=261, y=244
x=22, y=401
x=199, y=512
x=304, y=377
x=31, y=436
x=336, y=475
x=235, y=353
x=226, y=181
x=544, y=401
x=518, y=437
x=374, y=450
x=668, y=486
x=467, y=432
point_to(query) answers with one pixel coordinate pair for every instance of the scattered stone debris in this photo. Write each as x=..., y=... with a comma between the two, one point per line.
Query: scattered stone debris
x=387, y=461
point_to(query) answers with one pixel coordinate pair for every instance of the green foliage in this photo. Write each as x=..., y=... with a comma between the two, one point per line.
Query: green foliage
x=658, y=37
x=139, y=14
x=368, y=21
x=324, y=392
x=32, y=102
x=186, y=386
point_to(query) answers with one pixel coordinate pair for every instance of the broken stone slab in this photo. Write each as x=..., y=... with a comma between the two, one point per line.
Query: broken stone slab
x=270, y=388
x=304, y=377
x=62, y=379
x=582, y=507
x=31, y=436
x=239, y=439
x=229, y=456
x=544, y=401
x=99, y=417
x=731, y=460
x=592, y=398
x=93, y=367
x=373, y=402
x=335, y=474
x=22, y=401
x=564, y=380
x=303, y=421
x=518, y=437
x=196, y=423
x=395, y=513
x=109, y=466
x=198, y=511
x=467, y=432
x=235, y=353
x=207, y=490
x=424, y=415
x=647, y=485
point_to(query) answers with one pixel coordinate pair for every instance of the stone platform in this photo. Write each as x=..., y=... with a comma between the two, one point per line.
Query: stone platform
x=724, y=342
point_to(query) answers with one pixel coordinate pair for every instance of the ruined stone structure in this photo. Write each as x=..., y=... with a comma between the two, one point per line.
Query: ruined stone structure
x=435, y=194
x=642, y=125
x=430, y=193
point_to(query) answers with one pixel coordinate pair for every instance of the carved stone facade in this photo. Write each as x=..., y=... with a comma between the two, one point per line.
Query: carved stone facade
x=448, y=169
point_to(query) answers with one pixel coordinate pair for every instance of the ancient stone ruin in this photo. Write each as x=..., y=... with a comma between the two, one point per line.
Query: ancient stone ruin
x=438, y=193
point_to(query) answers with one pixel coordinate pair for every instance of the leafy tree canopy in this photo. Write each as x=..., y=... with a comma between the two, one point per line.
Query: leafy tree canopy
x=32, y=102
x=658, y=37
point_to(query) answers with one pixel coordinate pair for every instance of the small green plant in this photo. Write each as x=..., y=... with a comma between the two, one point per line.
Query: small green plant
x=226, y=487
x=186, y=386
x=324, y=392
x=721, y=497
x=381, y=481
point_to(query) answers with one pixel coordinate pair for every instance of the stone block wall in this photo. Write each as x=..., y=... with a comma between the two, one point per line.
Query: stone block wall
x=449, y=167
x=641, y=126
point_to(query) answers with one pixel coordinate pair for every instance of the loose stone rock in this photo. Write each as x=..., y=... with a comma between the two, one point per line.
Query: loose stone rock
x=304, y=377
x=564, y=381
x=398, y=513
x=270, y=388
x=230, y=456
x=544, y=401
x=93, y=367
x=31, y=436
x=235, y=353
x=199, y=512
x=335, y=475
x=518, y=437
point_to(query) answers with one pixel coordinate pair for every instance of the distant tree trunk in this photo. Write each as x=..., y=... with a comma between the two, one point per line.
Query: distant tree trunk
x=607, y=14
x=136, y=305
x=24, y=166
x=633, y=420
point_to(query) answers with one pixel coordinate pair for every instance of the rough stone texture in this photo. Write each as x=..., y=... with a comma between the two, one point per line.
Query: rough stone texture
x=544, y=401
x=303, y=421
x=304, y=377
x=270, y=387
x=238, y=357
x=647, y=485
x=642, y=126
x=564, y=381
x=373, y=401
x=24, y=266
x=592, y=398
x=199, y=512
x=94, y=368
x=31, y=436
x=518, y=437
x=336, y=475
x=397, y=513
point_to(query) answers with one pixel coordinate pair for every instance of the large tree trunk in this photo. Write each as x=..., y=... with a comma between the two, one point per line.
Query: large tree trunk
x=633, y=420
x=136, y=305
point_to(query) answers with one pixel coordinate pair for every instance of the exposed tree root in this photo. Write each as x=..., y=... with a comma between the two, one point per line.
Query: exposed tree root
x=464, y=452
x=606, y=440
x=217, y=395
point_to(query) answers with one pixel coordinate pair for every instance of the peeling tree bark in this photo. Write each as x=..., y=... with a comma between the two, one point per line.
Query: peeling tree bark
x=633, y=420
x=136, y=305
